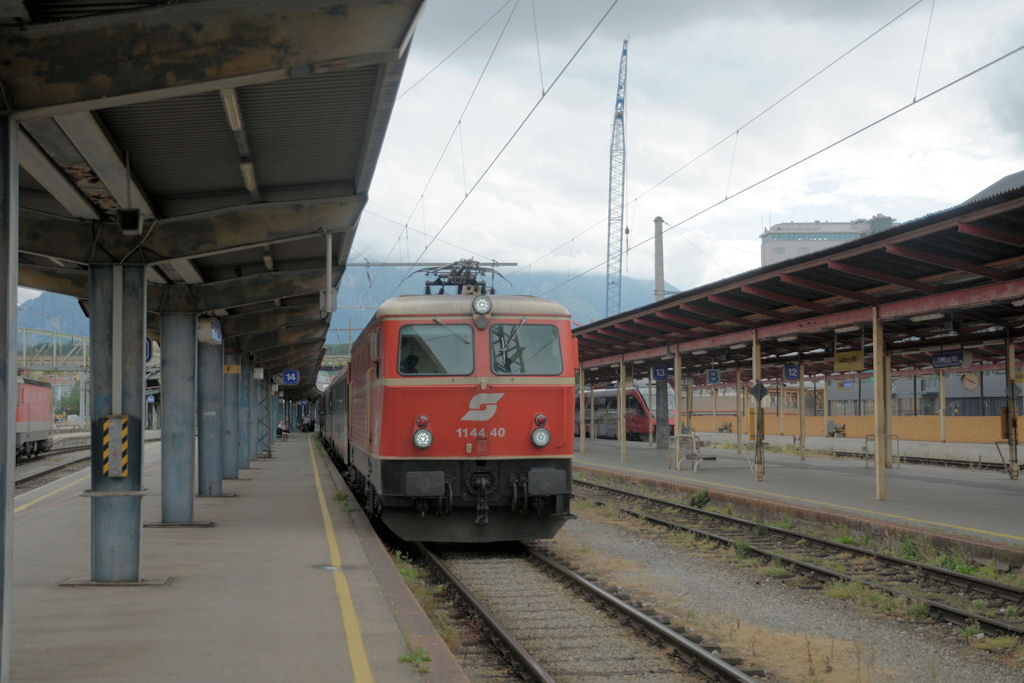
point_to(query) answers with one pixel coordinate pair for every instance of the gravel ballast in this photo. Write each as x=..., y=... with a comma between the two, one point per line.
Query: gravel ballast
x=795, y=633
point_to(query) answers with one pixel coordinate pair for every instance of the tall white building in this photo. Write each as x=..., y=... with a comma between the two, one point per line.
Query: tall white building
x=784, y=241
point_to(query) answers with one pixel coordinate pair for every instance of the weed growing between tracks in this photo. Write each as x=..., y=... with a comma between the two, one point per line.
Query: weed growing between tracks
x=430, y=596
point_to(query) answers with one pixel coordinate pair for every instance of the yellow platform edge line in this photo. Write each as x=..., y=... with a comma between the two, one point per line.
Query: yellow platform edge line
x=43, y=497
x=811, y=501
x=350, y=618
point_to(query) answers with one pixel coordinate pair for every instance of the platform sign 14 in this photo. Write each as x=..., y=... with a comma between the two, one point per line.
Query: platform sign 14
x=290, y=377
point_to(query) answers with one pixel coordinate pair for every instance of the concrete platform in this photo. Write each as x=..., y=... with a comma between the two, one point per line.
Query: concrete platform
x=276, y=590
x=980, y=505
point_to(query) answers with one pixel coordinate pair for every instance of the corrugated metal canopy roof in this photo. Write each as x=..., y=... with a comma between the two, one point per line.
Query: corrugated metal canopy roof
x=950, y=280
x=251, y=130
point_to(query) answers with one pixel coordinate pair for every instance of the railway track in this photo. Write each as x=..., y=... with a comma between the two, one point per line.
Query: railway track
x=556, y=625
x=39, y=477
x=998, y=609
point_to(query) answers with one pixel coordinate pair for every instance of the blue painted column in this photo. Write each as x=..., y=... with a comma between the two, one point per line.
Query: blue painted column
x=244, y=414
x=211, y=419
x=232, y=375
x=117, y=330
x=178, y=428
x=8, y=370
x=255, y=417
x=254, y=412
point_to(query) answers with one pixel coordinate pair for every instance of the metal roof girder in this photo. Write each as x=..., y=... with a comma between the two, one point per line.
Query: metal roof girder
x=1015, y=239
x=240, y=291
x=687, y=320
x=767, y=312
x=784, y=298
x=877, y=276
x=268, y=320
x=945, y=262
x=810, y=285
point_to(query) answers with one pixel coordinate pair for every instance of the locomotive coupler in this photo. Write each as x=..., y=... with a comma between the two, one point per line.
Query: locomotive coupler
x=481, y=483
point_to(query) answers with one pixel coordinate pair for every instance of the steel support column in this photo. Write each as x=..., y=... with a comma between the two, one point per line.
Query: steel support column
x=755, y=368
x=661, y=426
x=583, y=415
x=177, y=434
x=1011, y=406
x=232, y=376
x=942, y=406
x=245, y=414
x=211, y=419
x=801, y=409
x=8, y=370
x=621, y=412
x=740, y=417
x=677, y=373
x=881, y=404
x=117, y=330
x=593, y=431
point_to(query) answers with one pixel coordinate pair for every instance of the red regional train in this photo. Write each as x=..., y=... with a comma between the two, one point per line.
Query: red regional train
x=453, y=422
x=606, y=417
x=33, y=432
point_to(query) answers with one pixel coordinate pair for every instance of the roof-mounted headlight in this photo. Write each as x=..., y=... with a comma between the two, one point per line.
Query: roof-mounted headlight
x=482, y=304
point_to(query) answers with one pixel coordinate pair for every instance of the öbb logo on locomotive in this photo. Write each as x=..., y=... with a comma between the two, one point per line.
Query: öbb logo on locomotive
x=482, y=407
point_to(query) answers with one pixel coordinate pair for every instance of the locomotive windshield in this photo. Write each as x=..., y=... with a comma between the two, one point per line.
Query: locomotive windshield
x=439, y=349
x=521, y=349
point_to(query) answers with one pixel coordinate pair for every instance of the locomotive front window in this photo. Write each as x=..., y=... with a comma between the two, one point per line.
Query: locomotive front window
x=521, y=349
x=438, y=349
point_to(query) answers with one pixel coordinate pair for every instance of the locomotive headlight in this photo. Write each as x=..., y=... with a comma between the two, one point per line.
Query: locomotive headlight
x=482, y=304
x=422, y=438
x=540, y=437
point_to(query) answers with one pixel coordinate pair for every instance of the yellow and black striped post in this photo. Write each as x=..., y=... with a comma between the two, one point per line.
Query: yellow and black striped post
x=120, y=464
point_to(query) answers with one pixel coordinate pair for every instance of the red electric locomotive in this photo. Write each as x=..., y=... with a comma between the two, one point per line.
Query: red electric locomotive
x=455, y=416
x=34, y=426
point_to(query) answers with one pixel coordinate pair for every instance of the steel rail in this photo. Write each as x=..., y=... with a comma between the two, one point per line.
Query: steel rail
x=709, y=663
x=20, y=481
x=522, y=656
x=948, y=612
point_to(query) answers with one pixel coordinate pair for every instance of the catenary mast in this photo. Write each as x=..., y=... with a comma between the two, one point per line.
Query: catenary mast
x=616, y=195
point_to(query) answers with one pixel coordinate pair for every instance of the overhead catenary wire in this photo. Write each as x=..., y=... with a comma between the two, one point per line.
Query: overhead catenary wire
x=522, y=123
x=452, y=53
x=406, y=229
x=924, y=49
x=465, y=108
x=810, y=156
x=736, y=131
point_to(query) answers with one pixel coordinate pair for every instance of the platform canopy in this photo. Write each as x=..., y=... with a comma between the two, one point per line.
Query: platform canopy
x=950, y=281
x=244, y=133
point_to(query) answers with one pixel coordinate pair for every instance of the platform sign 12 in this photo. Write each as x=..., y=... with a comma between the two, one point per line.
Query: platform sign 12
x=290, y=377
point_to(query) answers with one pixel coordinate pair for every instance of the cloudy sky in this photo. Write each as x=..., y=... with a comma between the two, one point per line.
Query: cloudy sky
x=722, y=97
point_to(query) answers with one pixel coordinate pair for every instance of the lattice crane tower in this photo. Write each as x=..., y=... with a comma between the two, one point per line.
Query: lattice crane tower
x=616, y=195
